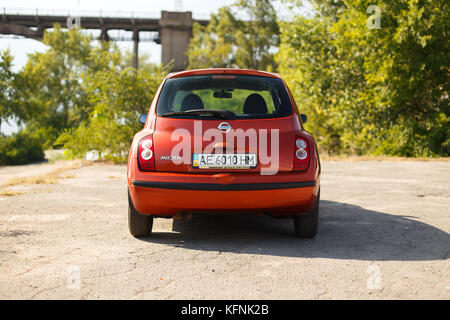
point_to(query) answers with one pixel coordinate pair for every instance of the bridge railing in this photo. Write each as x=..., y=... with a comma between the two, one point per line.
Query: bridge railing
x=91, y=13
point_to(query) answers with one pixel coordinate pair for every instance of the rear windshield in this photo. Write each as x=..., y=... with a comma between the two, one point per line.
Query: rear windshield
x=245, y=96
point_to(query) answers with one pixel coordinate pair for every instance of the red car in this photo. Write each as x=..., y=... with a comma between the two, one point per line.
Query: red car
x=223, y=140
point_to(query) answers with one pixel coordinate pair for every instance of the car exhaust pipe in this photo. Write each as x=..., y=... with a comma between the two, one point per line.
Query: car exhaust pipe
x=182, y=216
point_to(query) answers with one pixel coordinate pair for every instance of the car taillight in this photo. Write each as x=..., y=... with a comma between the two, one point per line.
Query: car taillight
x=301, y=155
x=146, y=154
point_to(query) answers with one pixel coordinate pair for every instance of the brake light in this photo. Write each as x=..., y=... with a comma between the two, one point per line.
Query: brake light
x=301, y=156
x=146, y=154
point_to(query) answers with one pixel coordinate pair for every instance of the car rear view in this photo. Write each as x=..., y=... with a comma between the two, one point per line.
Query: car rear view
x=223, y=140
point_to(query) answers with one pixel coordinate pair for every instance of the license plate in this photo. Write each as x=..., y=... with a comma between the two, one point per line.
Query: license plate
x=224, y=161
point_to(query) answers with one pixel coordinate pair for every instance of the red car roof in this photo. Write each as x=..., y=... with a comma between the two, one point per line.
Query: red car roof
x=197, y=72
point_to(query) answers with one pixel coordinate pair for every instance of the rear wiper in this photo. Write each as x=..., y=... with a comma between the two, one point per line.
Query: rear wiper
x=223, y=114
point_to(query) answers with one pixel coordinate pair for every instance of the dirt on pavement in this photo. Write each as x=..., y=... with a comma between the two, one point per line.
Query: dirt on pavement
x=383, y=234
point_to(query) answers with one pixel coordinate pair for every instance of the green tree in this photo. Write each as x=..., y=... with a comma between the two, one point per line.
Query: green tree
x=228, y=41
x=6, y=89
x=77, y=95
x=118, y=94
x=49, y=86
x=306, y=62
x=378, y=91
x=20, y=148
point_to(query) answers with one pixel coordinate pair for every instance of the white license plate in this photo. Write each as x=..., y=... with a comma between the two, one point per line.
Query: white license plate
x=224, y=161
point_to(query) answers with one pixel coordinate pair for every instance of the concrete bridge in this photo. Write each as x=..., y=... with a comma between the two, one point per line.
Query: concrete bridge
x=172, y=30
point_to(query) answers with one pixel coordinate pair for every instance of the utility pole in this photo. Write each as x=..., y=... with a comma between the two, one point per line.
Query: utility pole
x=136, y=49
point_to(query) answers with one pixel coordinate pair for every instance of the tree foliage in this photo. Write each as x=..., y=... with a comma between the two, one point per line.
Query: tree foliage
x=49, y=86
x=6, y=87
x=20, y=148
x=228, y=41
x=76, y=95
x=117, y=95
x=365, y=90
x=377, y=91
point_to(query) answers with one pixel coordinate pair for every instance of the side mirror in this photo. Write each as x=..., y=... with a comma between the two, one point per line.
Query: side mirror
x=304, y=117
x=142, y=118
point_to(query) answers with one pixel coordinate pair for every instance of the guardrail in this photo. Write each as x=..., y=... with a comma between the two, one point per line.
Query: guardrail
x=114, y=35
x=92, y=13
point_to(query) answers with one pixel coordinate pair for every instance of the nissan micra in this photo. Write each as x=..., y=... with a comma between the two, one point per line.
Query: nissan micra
x=223, y=140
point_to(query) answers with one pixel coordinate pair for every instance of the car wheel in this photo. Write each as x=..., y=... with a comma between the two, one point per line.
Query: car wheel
x=140, y=225
x=307, y=225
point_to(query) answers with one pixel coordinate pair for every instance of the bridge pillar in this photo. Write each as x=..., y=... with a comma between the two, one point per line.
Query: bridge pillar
x=175, y=33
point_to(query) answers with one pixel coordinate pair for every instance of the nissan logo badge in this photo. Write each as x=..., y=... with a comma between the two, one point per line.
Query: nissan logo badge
x=224, y=127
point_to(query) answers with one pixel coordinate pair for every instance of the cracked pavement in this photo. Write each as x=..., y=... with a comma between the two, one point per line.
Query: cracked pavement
x=383, y=234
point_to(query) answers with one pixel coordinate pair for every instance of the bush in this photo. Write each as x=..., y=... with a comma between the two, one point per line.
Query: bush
x=371, y=91
x=20, y=148
x=117, y=95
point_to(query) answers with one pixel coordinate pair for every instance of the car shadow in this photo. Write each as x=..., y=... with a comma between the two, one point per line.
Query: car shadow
x=345, y=232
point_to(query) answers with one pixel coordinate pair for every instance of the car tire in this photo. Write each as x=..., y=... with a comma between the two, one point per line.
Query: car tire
x=307, y=225
x=140, y=225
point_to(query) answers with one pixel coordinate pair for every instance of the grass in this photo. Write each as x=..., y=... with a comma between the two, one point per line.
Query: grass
x=40, y=179
x=67, y=176
x=48, y=178
x=9, y=193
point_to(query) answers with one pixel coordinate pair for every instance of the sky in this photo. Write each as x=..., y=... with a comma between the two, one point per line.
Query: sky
x=20, y=48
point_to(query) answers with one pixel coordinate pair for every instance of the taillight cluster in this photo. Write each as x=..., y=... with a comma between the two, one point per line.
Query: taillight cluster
x=146, y=154
x=301, y=157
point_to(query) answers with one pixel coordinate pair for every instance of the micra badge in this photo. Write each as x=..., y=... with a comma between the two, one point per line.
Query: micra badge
x=170, y=158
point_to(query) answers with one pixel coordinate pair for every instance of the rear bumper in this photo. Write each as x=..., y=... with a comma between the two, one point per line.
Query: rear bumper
x=222, y=187
x=169, y=198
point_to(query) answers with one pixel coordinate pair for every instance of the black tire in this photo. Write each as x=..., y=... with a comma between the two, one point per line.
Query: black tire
x=140, y=225
x=307, y=225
